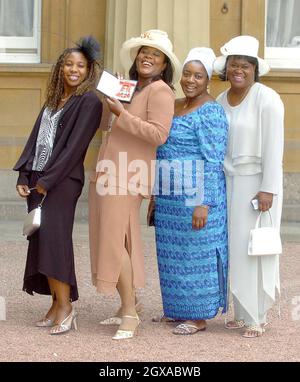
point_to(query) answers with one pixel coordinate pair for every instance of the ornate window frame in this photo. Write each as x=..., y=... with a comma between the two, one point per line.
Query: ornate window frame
x=24, y=49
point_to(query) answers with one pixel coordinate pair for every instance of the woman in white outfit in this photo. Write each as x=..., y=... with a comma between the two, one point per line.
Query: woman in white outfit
x=253, y=167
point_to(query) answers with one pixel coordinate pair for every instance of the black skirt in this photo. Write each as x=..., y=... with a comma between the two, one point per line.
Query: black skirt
x=50, y=251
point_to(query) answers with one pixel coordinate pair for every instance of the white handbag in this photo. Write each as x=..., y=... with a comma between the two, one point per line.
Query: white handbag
x=33, y=219
x=264, y=240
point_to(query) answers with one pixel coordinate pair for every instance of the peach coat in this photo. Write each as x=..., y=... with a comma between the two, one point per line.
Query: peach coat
x=114, y=219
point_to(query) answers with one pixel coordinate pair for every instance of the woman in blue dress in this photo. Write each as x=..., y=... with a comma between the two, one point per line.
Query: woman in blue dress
x=190, y=203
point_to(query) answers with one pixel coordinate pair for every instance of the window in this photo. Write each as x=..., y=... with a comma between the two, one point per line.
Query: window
x=20, y=31
x=282, y=48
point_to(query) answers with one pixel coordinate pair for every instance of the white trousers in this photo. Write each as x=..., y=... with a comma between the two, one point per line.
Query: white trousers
x=253, y=279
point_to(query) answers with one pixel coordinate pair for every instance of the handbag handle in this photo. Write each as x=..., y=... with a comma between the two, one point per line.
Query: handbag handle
x=42, y=201
x=259, y=219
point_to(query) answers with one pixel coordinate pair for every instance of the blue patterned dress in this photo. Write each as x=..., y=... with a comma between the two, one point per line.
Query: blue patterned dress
x=193, y=264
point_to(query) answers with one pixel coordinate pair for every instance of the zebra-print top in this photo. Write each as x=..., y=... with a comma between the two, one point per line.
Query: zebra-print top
x=45, y=139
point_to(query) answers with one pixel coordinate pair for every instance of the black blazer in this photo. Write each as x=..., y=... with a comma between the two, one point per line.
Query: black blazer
x=77, y=125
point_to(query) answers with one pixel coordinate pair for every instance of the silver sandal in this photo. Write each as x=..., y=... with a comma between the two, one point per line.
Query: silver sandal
x=256, y=330
x=234, y=324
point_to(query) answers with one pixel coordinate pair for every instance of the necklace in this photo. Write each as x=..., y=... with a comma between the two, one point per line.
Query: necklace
x=186, y=103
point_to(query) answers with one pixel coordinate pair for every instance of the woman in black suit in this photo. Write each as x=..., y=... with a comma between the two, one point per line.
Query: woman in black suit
x=52, y=164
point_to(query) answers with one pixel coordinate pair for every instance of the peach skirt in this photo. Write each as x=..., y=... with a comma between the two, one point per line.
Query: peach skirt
x=114, y=231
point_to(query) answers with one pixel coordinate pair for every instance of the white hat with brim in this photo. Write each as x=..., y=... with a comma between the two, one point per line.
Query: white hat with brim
x=241, y=46
x=156, y=39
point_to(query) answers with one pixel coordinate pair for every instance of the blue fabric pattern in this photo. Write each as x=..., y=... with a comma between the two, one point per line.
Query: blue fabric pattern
x=193, y=264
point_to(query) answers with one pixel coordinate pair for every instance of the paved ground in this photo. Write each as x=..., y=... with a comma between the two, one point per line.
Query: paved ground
x=21, y=341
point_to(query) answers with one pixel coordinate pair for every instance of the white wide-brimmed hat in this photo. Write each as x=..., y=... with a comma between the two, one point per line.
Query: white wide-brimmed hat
x=241, y=46
x=156, y=39
x=205, y=55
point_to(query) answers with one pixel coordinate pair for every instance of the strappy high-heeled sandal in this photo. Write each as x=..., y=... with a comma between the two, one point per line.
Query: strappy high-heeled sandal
x=116, y=320
x=122, y=334
x=66, y=325
x=45, y=323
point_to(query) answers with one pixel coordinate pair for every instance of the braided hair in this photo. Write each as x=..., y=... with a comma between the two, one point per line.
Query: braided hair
x=90, y=48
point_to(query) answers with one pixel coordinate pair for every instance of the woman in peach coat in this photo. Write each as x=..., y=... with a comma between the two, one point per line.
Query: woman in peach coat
x=123, y=174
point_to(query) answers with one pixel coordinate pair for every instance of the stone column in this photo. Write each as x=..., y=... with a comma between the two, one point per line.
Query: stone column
x=185, y=21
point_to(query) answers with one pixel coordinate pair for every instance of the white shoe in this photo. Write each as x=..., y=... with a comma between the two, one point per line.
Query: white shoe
x=45, y=323
x=116, y=320
x=126, y=334
x=66, y=325
x=112, y=321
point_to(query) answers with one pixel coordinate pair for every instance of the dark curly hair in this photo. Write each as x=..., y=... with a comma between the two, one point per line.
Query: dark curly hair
x=90, y=48
x=251, y=60
x=167, y=74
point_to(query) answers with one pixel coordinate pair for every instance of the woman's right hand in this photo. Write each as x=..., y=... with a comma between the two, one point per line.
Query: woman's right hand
x=114, y=105
x=265, y=200
x=23, y=190
x=151, y=208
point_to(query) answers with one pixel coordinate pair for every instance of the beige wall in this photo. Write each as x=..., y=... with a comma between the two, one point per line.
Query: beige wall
x=185, y=21
x=22, y=87
x=64, y=21
x=21, y=96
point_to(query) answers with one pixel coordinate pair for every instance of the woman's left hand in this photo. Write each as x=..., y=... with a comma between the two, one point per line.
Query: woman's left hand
x=40, y=189
x=200, y=215
x=115, y=106
x=265, y=200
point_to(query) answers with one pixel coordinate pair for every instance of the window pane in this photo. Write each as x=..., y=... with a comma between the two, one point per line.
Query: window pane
x=20, y=29
x=283, y=27
x=16, y=18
